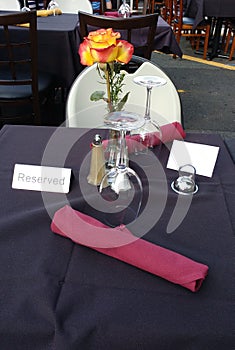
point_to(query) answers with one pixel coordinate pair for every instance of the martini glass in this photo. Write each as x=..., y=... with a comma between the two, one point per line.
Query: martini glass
x=150, y=133
x=25, y=8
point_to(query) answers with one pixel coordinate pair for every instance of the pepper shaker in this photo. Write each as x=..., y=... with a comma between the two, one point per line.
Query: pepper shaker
x=97, y=165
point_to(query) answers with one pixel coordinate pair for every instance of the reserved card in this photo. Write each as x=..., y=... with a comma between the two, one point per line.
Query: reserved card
x=202, y=157
x=41, y=178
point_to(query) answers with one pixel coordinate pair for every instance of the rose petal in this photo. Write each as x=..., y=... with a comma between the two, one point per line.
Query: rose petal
x=85, y=53
x=106, y=37
x=105, y=55
x=125, y=51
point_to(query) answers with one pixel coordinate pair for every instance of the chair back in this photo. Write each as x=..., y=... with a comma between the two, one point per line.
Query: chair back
x=81, y=112
x=139, y=30
x=73, y=6
x=9, y=5
x=18, y=61
x=155, y=5
x=178, y=12
x=167, y=11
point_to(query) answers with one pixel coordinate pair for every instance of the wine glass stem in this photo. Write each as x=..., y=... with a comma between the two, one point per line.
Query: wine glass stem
x=122, y=156
x=24, y=3
x=148, y=103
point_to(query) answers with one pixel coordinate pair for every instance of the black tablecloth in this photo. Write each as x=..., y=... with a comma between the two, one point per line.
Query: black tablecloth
x=211, y=8
x=58, y=295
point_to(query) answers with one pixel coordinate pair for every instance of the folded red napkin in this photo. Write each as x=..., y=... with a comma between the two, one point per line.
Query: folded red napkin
x=121, y=244
x=111, y=14
x=170, y=132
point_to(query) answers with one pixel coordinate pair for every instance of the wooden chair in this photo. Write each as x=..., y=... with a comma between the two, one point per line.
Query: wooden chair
x=184, y=26
x=155, y=6
x=21, y=85
x=167, y=11
x=126, y=26
x=230, y=34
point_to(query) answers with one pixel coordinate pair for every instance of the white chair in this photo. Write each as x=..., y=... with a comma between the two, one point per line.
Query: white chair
x=12, y=5
x=73, y=6
x=81, y=112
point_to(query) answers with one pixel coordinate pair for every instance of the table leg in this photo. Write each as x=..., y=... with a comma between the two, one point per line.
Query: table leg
x=215, y=52
x=216, y=39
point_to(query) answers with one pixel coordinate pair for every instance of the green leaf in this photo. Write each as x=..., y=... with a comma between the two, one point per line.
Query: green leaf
x=122, y=102
x=97, y=95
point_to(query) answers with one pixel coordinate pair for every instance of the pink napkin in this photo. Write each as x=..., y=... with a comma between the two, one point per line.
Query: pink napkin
x=170, y=132
x=111, y=14
x=121, y=244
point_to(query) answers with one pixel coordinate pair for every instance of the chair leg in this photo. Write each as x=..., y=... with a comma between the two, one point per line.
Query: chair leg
x=178, y=37
x=232, y=49
x=206, y=42
x=228, y=37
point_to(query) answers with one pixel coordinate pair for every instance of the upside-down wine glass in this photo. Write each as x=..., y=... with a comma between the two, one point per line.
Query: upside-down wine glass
x=150, y=133
x=121, y=173
x=53, y=5
x=25, y=8
x=124, y=10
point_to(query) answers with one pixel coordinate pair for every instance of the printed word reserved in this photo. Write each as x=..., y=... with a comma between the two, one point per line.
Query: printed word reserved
x=41, y=178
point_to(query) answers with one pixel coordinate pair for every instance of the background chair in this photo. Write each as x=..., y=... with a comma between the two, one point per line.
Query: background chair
x=81, y=112
x=129, y=27
x=9, y=5
x=155, y=6
x=21, y=85
x=230, y=35
x=167, y=11
x=73, y=6
x=184, y=26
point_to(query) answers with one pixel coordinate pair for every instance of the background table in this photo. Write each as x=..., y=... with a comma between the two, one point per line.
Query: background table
x=58, y=295
x=211, y=8
x=218, y=9
x=59, y=39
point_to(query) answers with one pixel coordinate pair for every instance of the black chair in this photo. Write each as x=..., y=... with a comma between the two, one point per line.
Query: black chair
x=21, y=85
x=127, y=26
x=230, y=23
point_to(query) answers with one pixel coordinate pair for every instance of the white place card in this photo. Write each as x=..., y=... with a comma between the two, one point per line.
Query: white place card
x=202, y=157
x=41, y=178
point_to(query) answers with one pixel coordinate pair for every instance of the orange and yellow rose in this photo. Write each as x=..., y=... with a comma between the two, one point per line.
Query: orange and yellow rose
x=103, y=46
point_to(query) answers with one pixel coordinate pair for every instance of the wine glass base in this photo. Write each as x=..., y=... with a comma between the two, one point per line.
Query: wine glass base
x=184, y=193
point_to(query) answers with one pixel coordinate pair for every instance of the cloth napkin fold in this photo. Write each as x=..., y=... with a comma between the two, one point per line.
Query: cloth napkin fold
x=121, y=244
x=170, y=132
x=111, y=14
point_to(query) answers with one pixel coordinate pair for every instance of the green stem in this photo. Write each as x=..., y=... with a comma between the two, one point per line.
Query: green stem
x=108, y=87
